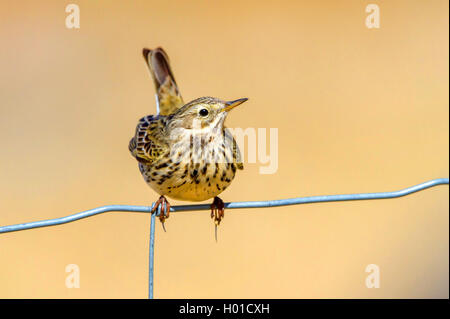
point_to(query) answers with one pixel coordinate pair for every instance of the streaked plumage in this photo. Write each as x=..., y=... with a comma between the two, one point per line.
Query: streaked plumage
x=185, y=152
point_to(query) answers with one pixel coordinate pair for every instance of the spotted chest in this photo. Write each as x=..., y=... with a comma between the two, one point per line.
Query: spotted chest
x=187, y=180
x=194, y=168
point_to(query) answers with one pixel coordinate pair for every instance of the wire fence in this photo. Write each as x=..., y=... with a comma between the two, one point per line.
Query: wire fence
x=232, y=205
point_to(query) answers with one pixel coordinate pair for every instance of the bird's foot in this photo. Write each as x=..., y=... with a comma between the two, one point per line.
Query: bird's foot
x=217, y=210
x=164, y=211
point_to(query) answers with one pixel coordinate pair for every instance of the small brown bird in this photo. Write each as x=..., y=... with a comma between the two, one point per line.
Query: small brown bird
x=185, y=152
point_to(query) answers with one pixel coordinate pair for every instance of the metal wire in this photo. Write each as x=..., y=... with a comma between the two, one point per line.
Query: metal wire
x=233, y=205
x=151, y=254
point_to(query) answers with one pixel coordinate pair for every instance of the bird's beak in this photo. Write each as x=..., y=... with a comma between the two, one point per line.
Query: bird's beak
x=232, y=104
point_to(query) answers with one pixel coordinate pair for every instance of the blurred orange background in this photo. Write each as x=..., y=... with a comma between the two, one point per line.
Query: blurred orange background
x=357, y=110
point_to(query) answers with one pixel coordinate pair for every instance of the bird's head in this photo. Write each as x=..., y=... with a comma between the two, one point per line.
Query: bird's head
x=204, y=113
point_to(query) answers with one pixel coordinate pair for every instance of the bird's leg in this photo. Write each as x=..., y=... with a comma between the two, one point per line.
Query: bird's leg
x=217, y=210
x=165, y=209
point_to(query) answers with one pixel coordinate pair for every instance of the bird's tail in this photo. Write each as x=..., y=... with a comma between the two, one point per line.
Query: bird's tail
x=169, y=97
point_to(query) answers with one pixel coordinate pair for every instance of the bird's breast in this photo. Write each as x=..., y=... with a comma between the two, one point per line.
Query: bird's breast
x=192, y=170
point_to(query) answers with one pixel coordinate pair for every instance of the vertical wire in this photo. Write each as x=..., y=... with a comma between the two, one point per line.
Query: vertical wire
x=151, y=255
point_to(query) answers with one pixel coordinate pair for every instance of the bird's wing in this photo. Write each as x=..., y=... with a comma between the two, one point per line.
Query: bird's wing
x=237, y=155
x=237, y=158
x=146, y=145
x=169, y=97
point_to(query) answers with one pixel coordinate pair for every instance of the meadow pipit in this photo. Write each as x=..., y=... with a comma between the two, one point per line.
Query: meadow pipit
x=185, y=152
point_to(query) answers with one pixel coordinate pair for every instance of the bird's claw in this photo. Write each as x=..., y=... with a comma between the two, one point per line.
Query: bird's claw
x=164, y=209
x=217, y=210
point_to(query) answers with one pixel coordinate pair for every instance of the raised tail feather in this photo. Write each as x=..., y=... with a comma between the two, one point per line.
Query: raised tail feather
x=169, y=97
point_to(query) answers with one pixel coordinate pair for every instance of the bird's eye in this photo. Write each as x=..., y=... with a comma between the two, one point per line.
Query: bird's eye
x=203, y=112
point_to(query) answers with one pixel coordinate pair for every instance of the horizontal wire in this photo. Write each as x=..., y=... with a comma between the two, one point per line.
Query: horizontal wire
x=232, y=205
